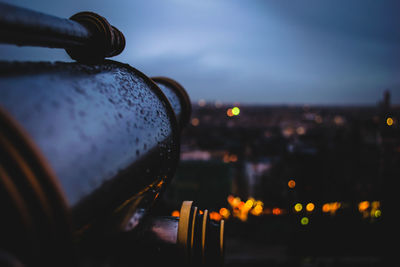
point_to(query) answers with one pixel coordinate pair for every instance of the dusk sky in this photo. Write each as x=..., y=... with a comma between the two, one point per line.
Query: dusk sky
x=251, y=51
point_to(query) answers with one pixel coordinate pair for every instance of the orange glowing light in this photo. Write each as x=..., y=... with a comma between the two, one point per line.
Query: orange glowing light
x=233, y=158
x=331, y=207
x=339, y=120
x=215, y=216
x=195, y=122
x=326, y=207
x=229, y=112
x=225, y=158
x=236, y=201
x=230, y=199
x=362, y=206
x=224, y=213
x=292, y=184
x=389, y=121
x=276, y=211
x=259, y=202
x=175, y=213
x=335, y=206
x=300, y=130
x=243, y=216
x=287, y=132
x=201, y=212
x=310, y=207
x=257, y=210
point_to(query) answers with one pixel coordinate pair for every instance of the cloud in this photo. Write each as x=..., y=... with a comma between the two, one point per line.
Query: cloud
x=257, y=51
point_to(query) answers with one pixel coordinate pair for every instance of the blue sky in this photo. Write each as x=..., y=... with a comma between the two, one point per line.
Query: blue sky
x=259, y=51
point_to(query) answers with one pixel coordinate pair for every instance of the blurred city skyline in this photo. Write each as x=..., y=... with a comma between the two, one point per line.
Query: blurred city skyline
x=252, y=52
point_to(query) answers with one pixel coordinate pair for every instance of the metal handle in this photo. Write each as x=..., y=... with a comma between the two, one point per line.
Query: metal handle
x=86, y=36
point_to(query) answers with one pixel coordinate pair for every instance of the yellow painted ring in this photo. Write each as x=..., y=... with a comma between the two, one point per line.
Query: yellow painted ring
x=221, y=240
x=203, y=235
x=193, y=230
x=183, y=225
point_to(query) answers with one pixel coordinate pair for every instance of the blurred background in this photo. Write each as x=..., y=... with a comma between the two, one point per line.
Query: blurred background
x=294, y=138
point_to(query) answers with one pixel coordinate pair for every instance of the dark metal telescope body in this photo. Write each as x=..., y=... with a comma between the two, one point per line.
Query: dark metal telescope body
x=108, y=133
x=85, y=151
x=92, y=123
x=181, y=104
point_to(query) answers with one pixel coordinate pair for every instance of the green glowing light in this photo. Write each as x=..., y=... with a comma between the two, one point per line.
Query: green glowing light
x=304, y=221
x=235, y=111
x=377, y=213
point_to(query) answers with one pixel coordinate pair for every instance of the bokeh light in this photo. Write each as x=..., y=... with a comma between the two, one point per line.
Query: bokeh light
x=257, y=210
x=276, y=211
x=215, y=216
x=175, y=213
x=310, y=207
x=304, y=221
x=364, y=205
x=298, y=207
x=195, y=122
x=225, y=213
x=377, y=213
x=389, y=121
x=235, y=111
x=201, y=102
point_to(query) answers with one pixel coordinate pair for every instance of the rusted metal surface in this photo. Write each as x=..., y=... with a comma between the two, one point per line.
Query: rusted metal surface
x=107, y=131
x=87, y=36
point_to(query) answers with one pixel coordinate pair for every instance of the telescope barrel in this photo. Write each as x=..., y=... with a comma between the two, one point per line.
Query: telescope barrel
x=172, y=89
x=86, y=36
x=85, y=151
x=97, y=143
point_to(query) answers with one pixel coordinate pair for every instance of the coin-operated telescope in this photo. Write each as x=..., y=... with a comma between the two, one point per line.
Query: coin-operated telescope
x=86, y=149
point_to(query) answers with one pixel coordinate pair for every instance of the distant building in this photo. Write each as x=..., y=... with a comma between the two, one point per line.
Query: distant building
x=386, y=99
x=384, y=105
